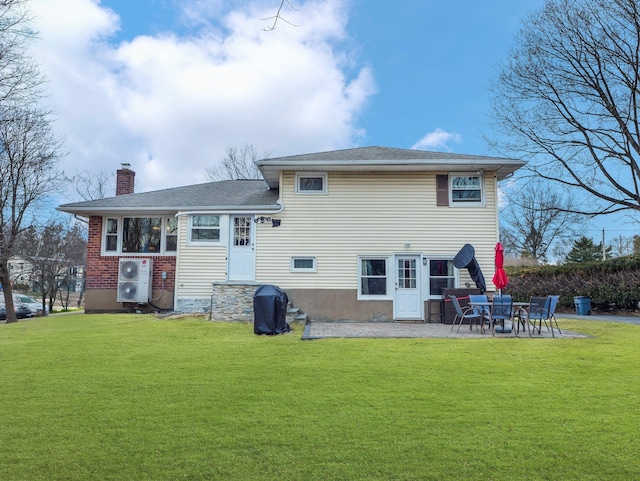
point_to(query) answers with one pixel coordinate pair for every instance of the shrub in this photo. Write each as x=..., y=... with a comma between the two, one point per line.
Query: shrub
x=610, y=284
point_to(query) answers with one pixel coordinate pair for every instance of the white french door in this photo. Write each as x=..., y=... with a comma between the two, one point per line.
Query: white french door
x=408, y=304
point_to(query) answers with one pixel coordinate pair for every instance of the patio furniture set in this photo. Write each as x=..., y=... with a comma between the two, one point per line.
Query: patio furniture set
x=501, y=314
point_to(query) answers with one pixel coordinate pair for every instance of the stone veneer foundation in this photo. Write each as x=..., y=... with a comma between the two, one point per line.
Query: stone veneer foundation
x=230, y=301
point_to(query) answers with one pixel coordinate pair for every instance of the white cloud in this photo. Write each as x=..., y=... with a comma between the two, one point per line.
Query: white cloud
x=171, y=105
x=438, y=139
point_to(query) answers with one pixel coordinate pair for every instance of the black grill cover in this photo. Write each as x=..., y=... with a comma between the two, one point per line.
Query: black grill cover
x=270, y=310
x=466, y=259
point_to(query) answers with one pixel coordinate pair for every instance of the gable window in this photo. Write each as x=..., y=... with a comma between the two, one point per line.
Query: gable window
x=442, y=275
x=466, y=189
x=205, y=229
x=373, y=277
x=303, y=264
x=311, y=183
x=139, y=235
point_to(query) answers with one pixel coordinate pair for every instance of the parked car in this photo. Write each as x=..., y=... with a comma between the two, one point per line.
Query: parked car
x=30, y=302
x=22, y=311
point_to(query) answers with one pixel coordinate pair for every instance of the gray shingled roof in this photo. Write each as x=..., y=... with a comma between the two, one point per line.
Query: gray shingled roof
x=376, y=154
x=386, y=159
x=225, y=195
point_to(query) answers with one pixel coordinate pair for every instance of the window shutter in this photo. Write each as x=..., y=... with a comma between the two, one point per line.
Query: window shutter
x=442, y=190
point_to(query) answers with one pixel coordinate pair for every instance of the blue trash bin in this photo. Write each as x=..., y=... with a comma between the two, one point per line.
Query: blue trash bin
x=583, y=305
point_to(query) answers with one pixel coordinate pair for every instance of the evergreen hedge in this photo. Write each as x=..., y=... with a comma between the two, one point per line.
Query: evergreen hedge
x=611, y=284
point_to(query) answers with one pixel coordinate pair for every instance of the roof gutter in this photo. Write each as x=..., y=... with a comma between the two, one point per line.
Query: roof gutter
x=241, y=211
x=160, y=210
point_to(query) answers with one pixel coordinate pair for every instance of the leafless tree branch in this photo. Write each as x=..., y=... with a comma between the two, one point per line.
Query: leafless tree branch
x=278, y=17
x=567, y=101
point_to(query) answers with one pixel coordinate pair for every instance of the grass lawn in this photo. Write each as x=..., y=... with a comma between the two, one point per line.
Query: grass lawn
x=129, y=397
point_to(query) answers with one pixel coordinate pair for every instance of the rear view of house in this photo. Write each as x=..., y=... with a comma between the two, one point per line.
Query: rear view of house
x=360, y=234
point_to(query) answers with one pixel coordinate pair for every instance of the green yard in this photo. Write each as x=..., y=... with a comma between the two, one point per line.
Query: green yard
x=126, y=397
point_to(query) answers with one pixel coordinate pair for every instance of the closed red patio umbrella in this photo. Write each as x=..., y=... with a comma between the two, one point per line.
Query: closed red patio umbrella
x=500, y=278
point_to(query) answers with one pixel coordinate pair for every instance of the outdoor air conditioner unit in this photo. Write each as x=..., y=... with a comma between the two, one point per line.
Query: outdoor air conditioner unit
x=134, y=280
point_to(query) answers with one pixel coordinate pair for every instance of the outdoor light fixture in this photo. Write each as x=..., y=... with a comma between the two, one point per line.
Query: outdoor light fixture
x=262, y=219
x=407, y=244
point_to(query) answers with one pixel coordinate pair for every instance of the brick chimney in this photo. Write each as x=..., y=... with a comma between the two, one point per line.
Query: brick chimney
x=125, y=179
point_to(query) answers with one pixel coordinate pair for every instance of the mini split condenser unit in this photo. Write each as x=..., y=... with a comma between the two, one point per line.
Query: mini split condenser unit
x=134, y=280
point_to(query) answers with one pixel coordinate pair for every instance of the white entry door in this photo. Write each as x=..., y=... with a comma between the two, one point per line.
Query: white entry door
x=241, y=261
x=408, y=299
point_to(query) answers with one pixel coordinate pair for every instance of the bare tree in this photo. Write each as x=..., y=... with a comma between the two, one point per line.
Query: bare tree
x=52, y=250
x=19, y=76
x=536, y=216
x=621, y=246
x=238, y=164
x=567, y=99
x=29, y=150
x=28, y=156
x=90, y=185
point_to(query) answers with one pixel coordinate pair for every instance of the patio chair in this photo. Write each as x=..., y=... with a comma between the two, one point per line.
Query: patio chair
x=539, y=309
x=550, y=317
x=552, y=313
x=463, y=314
x=501, y=312
x=484, y=310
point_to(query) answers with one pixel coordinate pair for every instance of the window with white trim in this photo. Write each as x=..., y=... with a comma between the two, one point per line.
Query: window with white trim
x=111, y=235
x=303, y=264
x=139, y=235
x=204, y=229
x=311, y=183
x=171, y=234
x=442, y=275
x=373, y=277
x=465, y=189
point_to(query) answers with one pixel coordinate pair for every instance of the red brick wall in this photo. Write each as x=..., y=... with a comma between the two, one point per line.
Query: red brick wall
x=102, y=271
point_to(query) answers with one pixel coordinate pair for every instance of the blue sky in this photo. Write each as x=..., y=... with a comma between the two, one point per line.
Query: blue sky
x=431, y=60
x=169, y=85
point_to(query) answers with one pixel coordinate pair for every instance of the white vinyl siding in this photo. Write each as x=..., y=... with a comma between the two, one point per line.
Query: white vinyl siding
x=370, y=213
x=365, y=215
x=199, y=265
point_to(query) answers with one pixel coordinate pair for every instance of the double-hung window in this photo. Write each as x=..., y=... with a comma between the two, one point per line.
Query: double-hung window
x=460, y=189
x=111, y=235
x=466, y=189
x=373, y=277
x=205, y=229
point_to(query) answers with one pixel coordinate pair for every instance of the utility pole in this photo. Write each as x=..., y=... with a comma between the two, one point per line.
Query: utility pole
x=604, y=250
